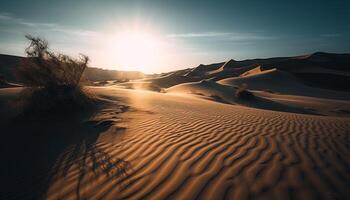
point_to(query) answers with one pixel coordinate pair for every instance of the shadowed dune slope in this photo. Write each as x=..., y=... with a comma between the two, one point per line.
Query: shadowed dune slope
x=205, y=88
x=202, y=70
x=211, y=90
x=158, y=83
x=283, y=82
x=171, y=80
x=220, y=71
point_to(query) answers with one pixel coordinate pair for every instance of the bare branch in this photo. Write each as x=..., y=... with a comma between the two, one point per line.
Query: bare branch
x=45, y=68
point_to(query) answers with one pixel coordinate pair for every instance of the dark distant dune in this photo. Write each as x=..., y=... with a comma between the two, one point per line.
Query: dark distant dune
x=158, y=83
x=98, y=74
x=171, y=80
x=202, y=70
x=326, y=60
x=9, y=65
x=324, y=80
x=322, y=62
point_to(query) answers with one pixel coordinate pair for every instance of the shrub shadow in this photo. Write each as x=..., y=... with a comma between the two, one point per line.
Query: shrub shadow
x=37, y=151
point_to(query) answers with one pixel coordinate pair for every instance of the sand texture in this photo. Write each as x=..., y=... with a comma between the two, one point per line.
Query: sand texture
x=188, y=148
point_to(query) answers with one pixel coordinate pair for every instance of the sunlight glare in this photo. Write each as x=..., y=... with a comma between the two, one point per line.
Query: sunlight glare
x=136, y=50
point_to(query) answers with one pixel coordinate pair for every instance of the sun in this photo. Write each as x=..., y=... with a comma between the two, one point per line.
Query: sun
x=136, y=50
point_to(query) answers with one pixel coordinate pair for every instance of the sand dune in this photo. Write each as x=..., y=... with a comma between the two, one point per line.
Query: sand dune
x=183, y=147
x=283, y=82
x=170, y=80
x=193, y=138
x=254, y=71
x=215, y=151
x=205, y=88
x=220, y=71
x=203, y=70
x=318, y=105
x=158, y=83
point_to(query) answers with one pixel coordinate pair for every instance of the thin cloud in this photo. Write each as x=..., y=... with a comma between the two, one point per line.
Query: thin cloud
x=76, y=32
x=36, y=24
x=10, y=19
x=192, y=35
x=227, y=36
x=331, y=35
x=7, y=17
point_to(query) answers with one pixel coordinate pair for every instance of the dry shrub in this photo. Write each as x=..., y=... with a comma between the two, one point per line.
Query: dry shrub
x=51, y=80
x=269, y=91
x=44, y=68
x=242, y=92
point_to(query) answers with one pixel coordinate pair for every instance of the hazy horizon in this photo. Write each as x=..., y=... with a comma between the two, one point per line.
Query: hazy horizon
x=159, y=36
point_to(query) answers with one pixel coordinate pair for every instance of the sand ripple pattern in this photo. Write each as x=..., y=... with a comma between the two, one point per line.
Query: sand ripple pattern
x=207, y=150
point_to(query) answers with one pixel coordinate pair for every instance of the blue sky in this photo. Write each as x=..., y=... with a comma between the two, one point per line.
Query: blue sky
x=187, y=32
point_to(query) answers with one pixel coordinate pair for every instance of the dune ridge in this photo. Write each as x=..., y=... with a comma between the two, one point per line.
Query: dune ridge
x=283, y=82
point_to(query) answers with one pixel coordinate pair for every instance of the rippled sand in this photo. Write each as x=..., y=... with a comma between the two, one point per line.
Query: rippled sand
x=181, y=147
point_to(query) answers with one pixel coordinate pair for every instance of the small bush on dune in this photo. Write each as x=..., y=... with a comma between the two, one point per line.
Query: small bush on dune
x=242, y=92
x=52, y=80
x=44, y=68
x=269, y=91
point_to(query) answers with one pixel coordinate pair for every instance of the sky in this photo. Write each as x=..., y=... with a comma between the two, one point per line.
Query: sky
x=156, y=36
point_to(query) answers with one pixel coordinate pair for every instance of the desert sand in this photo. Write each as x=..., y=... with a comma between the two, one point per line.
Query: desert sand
x=188, y=135
x=171, y=146
x=188, y=148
